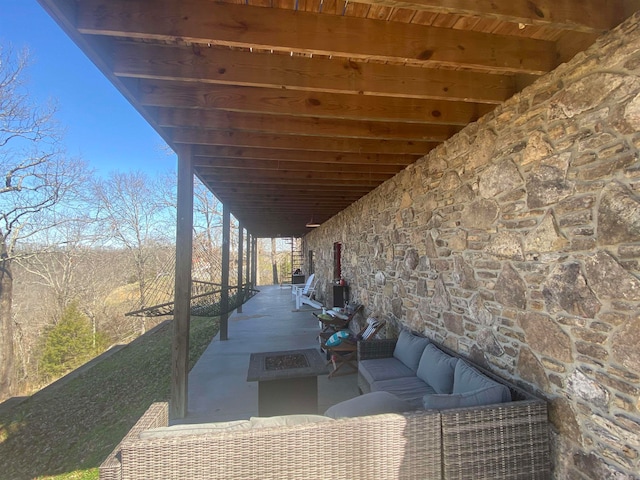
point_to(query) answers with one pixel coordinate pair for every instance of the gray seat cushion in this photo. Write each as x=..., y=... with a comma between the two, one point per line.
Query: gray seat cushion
x=410, y=389
x=195, y=429
x=484, y=396
x=409, y=349
x=232, y=426
x=383, y=369
x=436, y=369
x=373, y=403
x=468, y=379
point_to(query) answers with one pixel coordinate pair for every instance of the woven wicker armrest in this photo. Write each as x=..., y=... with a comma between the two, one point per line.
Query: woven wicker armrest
x=508, y=440
x=156, y=416
x=376, y=348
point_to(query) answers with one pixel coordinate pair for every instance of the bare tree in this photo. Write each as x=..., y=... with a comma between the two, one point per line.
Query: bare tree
x=131, y=209
x=36, y=178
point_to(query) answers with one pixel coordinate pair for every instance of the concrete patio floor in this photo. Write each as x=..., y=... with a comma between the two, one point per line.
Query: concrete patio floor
x=218, y=389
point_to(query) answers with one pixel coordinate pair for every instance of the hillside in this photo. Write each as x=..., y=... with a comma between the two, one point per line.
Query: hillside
x=66, y=430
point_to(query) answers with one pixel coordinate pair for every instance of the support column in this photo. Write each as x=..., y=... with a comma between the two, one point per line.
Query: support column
x=240, y=287
x=254, y=265
x=224, y=296
x=182, y=294
x=248, y=267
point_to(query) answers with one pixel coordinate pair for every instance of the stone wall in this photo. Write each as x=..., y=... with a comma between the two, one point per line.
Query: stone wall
x=517, y=243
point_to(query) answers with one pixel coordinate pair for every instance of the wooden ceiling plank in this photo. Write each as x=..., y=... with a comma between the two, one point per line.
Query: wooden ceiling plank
x=338, y=75
x=330, y=180
x=590, y=16
x=292, y=209
x=319, y=193
x=296, y=199
x=313, y=126
x=312, y=104
x=244, y=139
x=206, y=22
x=284, y=166
x=302, y=177
x=291, y=191
x=203, y=152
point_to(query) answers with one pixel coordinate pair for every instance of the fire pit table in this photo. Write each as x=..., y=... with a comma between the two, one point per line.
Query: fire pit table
x=287, y=381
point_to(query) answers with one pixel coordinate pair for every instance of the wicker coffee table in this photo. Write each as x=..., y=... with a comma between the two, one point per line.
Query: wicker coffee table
x=287, y=381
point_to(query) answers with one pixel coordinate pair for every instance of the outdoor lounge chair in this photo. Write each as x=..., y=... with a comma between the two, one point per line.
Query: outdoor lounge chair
x=308, y=287
x=346, y=352
x=303, y=295
x=332, y=321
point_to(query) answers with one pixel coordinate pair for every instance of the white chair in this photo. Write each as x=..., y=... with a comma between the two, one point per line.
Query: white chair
x=310, y=284
x=303, y=295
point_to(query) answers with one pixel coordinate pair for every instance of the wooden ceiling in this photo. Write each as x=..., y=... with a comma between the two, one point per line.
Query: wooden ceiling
x=294, y=109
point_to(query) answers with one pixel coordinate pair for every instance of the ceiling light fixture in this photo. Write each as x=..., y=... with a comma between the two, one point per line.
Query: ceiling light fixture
x=312, y=224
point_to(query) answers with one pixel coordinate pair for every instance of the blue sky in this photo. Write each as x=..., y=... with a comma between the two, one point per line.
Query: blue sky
x=100, y=126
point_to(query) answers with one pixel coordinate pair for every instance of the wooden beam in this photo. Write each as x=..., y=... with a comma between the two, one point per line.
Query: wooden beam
x=295, y=202
x=278, y=191
x=203, y=153
x=301, y=217
x=311, y=104
x=290, y=142
x=336, y=75
x=295, y=228
x=226, y=265
x=182, y=291
x=291, y=207
x=590, y=16
x=292, y=203
x=254, y=261
x=241, y=292
x=206, y=22
x=270, y=192
x=313, y=126
x=232, y=175
x=248, y=260
x=284, y=166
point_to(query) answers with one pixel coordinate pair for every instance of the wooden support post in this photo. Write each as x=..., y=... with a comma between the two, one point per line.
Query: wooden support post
x=182, y=293
x=224, y=296
x=248, y=268
x=240, y=289
x=254, y=264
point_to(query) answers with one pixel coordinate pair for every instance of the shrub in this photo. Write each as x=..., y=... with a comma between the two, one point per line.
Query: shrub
x=69, y=344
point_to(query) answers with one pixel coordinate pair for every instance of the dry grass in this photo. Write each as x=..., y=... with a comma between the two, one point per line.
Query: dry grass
x=66, y=431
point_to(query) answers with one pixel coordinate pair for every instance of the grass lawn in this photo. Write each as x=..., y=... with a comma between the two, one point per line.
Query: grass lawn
x=66, y=431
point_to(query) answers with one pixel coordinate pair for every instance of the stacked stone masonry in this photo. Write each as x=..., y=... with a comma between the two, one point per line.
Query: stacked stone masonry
x=517, y=243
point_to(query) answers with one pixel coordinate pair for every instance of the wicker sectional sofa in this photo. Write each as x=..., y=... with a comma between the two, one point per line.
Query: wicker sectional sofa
x=380, y=447
x=503, y=441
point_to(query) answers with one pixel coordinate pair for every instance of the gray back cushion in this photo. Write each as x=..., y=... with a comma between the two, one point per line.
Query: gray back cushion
x=409, y=349
x=436, y=369
x=468, y=379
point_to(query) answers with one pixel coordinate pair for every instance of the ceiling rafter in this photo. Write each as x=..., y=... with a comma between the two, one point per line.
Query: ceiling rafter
x=296, y=125
x=199, y=63
x=291, y=142
x=202, y=153
x=310, y=104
